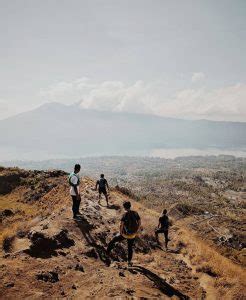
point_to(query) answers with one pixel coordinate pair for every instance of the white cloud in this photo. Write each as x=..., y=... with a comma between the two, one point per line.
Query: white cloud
x=196, y=77
x=226, y=103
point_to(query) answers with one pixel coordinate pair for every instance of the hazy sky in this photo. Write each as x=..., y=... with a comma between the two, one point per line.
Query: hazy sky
x=178, y=58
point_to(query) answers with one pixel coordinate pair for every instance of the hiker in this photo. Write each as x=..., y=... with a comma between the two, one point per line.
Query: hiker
x=102, y=185
x=163, y=227
x=74, y=182
x=129, y=226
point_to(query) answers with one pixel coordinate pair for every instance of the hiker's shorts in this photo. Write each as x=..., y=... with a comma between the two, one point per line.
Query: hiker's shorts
x=102, y=190
x=164, y=231
x=161, y=230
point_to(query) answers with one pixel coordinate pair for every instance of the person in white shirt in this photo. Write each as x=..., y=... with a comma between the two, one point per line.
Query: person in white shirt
x=74, y=182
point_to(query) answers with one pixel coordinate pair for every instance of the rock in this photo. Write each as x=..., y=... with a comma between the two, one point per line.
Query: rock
x=48, y=276
x=62, y=253
x=9, y=284
x=122, y=274
x=91, y=253
x=56, y=173
x=7, y=244
x=9, y=181
x=7, y=213
x=79, y=267
x=133, y=271
x=130, y=292
x=45, y=246
x=101, y=236
x=21, y=234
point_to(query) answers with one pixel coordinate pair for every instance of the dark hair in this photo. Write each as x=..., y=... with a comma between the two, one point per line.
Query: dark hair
x=77, y=167
x=127, y=204
x=102, y=175
x=164, y=211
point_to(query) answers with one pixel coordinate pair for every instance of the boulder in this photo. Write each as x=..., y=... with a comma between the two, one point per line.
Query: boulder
x=50, y=276
x=43, y=245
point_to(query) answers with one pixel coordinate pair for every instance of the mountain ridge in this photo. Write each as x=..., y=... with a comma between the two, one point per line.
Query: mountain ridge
x=76, y=106
x=66, y=130
x=64, y=258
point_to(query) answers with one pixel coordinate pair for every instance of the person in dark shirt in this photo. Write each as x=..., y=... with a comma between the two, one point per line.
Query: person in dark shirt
x=129, y=226
x=163, y=227
x=102, y=186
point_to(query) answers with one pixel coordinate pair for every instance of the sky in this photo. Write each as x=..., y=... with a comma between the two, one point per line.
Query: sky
x=172, y=58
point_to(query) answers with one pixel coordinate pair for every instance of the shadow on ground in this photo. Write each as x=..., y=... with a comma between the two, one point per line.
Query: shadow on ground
x=161, y=284
x=113, y=206
x=85, y=228
x=110, y=206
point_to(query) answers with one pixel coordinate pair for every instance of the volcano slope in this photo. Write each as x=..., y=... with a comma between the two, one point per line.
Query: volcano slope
x=47, y=254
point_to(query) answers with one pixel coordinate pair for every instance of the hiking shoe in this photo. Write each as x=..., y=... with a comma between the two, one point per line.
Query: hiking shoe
x=130, y=264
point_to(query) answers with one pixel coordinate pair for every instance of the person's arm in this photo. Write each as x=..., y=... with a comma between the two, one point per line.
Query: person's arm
x=107, y=184
x=96, y=185
x=121, y=227
x=76, y=191
x=159, y=225
x=139, y=224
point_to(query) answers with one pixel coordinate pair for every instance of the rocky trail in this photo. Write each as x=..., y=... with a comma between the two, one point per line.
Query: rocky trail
x=58, y=257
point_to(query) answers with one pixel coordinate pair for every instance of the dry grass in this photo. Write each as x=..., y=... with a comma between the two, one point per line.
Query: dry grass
x=23, y=213
x=6, y=238
x=26, y=212
x=230, y=277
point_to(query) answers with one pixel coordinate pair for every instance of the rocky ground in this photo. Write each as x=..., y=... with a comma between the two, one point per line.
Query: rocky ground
x=47, y=254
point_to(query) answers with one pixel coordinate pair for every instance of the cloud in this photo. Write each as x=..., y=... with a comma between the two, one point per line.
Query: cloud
x=156, y=97
x=196, y=77
x=227, y=103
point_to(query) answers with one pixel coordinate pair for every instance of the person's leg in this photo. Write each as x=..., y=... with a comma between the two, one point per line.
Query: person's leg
x=130, y=244
x=166, y=237
x=78, y=205
x=116, y=239
x=157, y=231
x=99, y=196
x=74, y=205
x=106, y=197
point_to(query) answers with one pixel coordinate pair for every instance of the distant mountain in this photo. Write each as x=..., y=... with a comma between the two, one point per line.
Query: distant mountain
x=57, y=130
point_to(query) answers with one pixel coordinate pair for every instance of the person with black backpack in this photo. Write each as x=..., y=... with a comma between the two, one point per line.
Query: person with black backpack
x=129, y=226
x=74, y=182
x=102, y=185
x=163, y=227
